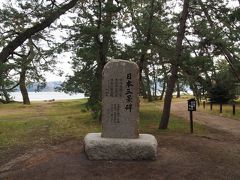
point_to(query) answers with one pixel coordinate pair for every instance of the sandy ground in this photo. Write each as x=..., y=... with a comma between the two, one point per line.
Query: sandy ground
x=215, y=155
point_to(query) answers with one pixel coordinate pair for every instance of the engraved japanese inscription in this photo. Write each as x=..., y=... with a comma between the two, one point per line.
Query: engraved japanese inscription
x=120, y=99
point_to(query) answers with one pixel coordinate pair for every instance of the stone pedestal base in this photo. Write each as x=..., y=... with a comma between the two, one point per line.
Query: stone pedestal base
x=142, y=148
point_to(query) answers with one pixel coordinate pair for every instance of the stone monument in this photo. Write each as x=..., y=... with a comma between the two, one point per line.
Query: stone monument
x=120, y=139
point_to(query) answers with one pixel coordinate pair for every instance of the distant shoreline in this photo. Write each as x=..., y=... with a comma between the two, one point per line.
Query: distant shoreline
x=41, y=96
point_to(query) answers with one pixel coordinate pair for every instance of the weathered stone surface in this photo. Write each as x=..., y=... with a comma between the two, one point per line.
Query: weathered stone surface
x=120, y=139
x=142, y=148
x=120, y=101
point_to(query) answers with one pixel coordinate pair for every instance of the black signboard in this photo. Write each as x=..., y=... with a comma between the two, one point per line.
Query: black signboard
x=192, y=105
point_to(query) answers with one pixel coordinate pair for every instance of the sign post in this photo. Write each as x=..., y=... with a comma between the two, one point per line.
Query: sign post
x=191, y=107
x=234, y=109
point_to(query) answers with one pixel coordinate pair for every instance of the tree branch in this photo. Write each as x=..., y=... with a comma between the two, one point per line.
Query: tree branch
x=231, y=60
x=11, y=88
x=23, y=36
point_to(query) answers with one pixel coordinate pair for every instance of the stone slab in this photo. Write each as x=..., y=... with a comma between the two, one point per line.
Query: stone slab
x=120, y=99
x=142, y=148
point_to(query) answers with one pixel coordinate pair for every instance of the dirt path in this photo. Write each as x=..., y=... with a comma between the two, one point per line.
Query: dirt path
x=217, y=122
x=215, y=155
x=180, y=156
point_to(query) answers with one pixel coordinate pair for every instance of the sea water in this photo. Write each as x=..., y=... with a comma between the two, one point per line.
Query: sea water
x=41, y=96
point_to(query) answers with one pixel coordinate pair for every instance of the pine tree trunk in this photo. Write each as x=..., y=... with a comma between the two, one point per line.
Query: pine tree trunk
x=165, y=79
x=6, y=96
x=178, y=90
x=149, y=94
x=143, y=89
x=142, y=62
x=103, y=46
x=23, y=88
x=163, y=90
x=174, y=70
x=155, y=83
x=168, y=98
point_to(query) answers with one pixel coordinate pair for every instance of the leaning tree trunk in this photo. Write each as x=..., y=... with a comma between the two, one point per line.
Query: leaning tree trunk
x=174, y=70
x=23, y=88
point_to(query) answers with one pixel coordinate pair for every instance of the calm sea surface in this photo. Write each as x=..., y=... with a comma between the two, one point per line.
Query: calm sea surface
x=39, y=96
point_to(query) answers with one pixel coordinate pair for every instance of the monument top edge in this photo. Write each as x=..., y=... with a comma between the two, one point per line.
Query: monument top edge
x=120, y=60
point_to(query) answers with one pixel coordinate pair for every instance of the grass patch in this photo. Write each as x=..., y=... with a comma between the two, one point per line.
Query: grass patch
x=44, y=122
x=150, y=115
x=50, y=122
